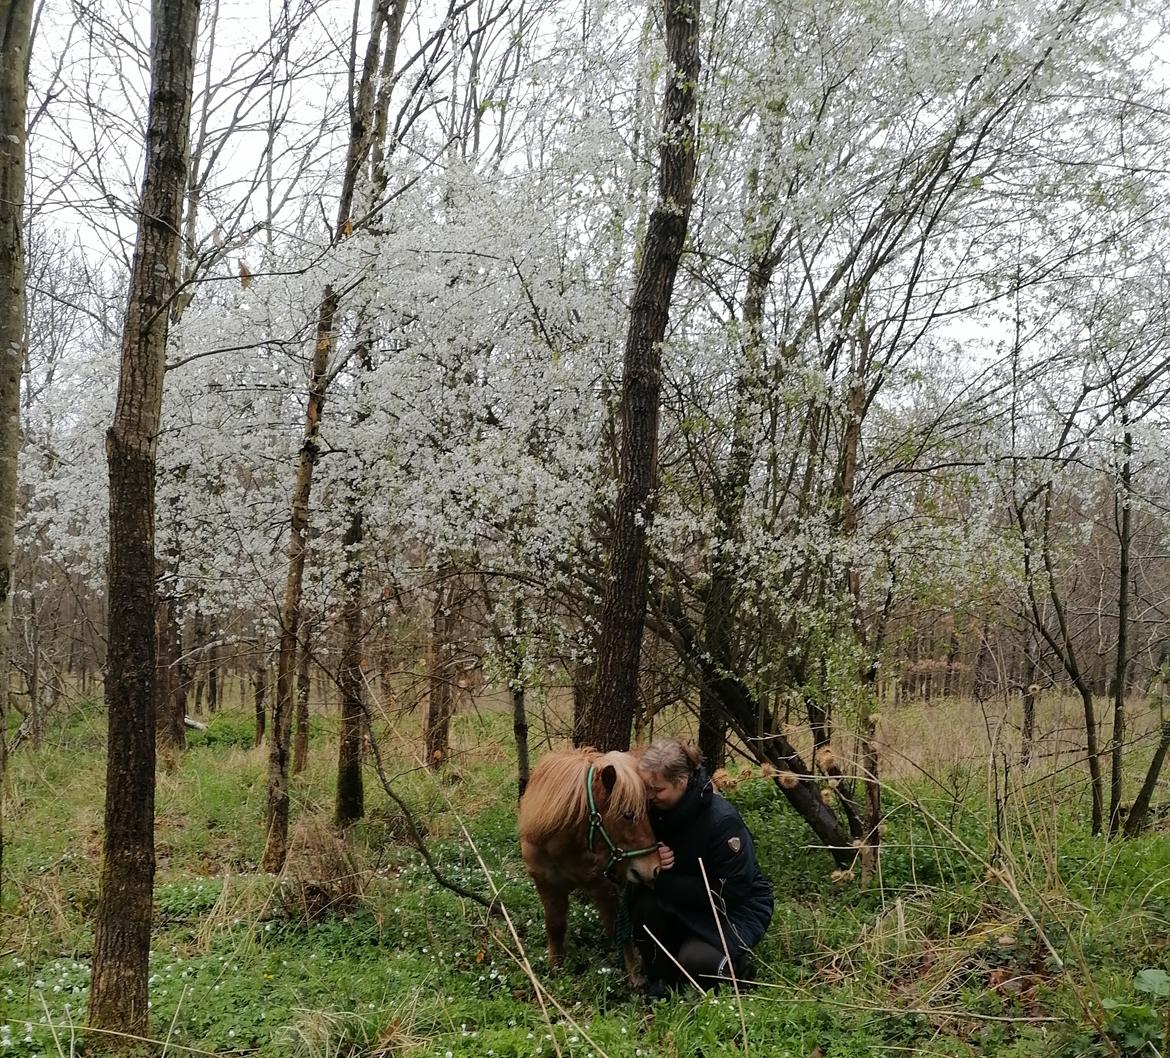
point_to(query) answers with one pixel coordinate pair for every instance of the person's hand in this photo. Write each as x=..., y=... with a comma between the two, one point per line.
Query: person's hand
x=665, y=856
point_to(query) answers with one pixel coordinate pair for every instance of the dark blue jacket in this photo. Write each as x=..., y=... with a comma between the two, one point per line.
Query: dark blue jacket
x=704, y=824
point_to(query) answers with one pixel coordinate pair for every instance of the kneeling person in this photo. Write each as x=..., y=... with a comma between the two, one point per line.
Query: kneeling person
x=691, y=822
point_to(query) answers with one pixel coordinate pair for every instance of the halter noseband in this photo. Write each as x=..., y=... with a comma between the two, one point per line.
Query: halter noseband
x=597, y=826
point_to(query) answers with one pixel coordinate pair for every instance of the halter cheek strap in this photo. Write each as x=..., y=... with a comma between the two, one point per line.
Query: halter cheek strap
x=597, y=826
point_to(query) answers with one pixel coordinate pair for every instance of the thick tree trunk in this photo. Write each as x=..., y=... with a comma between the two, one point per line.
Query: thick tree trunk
x=607, y=723
x=118, y=992
x=15, y=30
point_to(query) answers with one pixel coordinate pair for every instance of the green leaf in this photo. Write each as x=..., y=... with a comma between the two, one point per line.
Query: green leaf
x=1155, y=982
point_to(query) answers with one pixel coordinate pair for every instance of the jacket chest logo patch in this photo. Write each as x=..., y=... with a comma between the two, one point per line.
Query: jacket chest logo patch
x=734, y=844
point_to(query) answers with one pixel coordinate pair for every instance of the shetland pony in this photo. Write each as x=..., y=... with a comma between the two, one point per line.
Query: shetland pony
x=566, y=846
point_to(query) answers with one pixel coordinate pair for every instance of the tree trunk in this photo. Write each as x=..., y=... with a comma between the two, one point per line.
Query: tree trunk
x=519, y=712
x=118, y=992
x=607, y=723
x=15, y=30
x=584, y=675
x=301, y=738
x=1141, y=804
x=1031, y=674
x=826, y=760
x=34, y=685
x=712, y=728
x=350, y=805
x=1124, y=542
x=171, y=734
x=260, y=693
x=1063, y=647
x=871, y=830
x=357, y=154
x=520, y=730
x=213, y=672
x=719, y=605
x=440, y=675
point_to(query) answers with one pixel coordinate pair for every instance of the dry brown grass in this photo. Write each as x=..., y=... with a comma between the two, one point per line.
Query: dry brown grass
x=320, y=875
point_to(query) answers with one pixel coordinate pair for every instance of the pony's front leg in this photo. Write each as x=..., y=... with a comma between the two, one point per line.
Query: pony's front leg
x=556, y=917
x=607, y=898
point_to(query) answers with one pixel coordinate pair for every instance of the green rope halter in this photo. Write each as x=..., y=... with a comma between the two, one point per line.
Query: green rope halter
x=597, y=825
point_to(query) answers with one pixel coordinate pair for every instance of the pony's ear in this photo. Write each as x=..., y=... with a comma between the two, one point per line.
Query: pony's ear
x=608, y=777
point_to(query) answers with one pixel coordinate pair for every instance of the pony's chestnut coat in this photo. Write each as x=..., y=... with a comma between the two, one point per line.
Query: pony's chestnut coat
x=554, y=835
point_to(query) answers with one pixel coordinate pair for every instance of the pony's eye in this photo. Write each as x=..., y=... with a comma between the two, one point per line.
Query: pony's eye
x=628, y=816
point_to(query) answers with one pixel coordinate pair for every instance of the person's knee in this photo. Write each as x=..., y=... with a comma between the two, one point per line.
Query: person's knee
x=703, y=961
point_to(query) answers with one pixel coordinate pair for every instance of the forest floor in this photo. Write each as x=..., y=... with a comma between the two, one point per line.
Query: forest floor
x=998, y=926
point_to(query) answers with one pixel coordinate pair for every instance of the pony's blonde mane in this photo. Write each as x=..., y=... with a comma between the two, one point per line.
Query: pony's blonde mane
x=555, y=798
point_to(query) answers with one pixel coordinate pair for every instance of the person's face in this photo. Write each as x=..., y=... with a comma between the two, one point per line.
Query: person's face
x=664, y=794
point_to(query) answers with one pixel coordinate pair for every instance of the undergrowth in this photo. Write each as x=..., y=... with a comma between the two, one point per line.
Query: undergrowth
x=997, y=927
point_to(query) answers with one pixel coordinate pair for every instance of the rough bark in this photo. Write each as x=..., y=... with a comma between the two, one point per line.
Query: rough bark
x=15, y=30
x=607, y=722
x=122, y=922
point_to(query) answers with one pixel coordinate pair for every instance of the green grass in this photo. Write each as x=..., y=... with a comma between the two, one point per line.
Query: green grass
x=1028, y=940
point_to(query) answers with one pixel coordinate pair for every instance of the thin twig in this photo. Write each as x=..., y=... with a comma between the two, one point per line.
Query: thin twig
x=416, y=837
